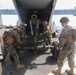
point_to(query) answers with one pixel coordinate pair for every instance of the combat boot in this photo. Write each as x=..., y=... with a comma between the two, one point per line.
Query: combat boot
x=19, y=66
x=71, y=71
x=57, y=71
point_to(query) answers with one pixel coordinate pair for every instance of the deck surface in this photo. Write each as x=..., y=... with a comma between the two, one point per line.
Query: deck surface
x=41, y=64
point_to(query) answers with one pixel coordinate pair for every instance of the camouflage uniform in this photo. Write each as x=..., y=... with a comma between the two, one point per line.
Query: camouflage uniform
x=10, y=48
x=68, y=47
x=22, y=33
x=48, y=31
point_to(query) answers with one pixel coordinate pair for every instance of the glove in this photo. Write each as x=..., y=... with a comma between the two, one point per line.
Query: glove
x=58, y=47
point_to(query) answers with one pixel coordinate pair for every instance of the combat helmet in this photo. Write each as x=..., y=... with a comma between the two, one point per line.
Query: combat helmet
x=64, y=19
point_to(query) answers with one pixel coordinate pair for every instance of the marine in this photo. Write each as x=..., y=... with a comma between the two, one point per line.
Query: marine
x=48, y=31
x=22, y=32
x=10, y=38
x=66, y=46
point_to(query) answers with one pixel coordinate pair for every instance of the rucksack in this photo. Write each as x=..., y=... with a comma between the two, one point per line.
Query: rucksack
x=7, y=38
x=5, y=34
x=73, y=31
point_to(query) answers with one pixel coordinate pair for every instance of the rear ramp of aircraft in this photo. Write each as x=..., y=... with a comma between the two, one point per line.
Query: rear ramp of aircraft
x=34, y=13
x=42, y=8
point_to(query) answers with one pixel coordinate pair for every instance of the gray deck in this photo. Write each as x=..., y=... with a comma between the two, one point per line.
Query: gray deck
x=34, y=64
x=41, y=64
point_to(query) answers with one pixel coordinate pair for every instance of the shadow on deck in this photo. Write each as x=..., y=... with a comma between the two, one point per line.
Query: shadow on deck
x=34, y=64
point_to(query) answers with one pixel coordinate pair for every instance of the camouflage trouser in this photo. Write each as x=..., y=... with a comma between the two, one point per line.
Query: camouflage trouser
x=69, y=52
x=12, y=51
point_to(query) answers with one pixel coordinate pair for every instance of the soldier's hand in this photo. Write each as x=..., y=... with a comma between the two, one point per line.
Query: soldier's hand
x=59, y=48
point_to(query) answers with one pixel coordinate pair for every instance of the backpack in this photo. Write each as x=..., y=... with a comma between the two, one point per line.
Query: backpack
x=73, y=31
x=7, y=38
x=5, y=34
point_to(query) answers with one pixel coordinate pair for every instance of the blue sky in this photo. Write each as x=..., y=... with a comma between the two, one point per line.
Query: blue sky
x=61, y=4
